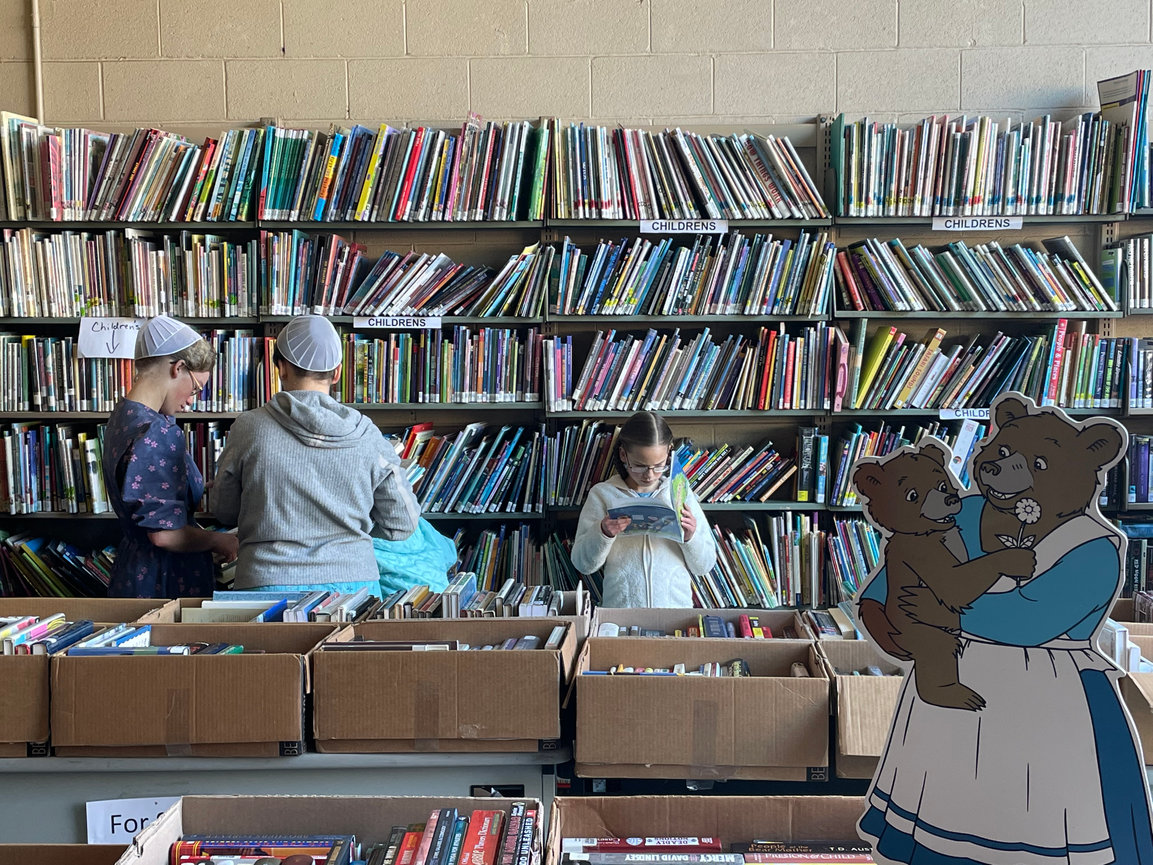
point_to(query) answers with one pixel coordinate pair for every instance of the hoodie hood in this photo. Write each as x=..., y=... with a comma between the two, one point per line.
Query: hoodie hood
x=317, y=420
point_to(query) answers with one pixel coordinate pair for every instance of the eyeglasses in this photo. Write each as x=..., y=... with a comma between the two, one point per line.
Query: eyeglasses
x=643, y=470
x=199, y=385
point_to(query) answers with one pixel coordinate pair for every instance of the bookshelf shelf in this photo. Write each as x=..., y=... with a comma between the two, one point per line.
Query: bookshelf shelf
x=885, y=315
x=1137, y=506
x=482, y=225
x=734, y=224
x=935, y=412
x=73, y=321
x=1140, y=412
x=623, y=322
x=504, y=320
x=99, y=225
x=103, y=415
x=682, y=414
x=60, y=515
x=446, y=406
x=927, y=221
x=723, y=507
x=845, y=509
x=488, y=516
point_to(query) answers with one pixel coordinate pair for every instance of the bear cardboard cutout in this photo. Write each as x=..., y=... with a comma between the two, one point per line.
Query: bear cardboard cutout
x=1010, y=744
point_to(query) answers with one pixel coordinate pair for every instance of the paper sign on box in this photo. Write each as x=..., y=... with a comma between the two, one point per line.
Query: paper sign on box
x=113, y=821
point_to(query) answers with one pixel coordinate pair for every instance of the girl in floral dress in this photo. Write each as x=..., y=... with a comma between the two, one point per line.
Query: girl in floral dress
x=152, y=482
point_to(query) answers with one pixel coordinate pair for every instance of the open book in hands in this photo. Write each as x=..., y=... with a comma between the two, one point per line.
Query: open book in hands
x=651, y=517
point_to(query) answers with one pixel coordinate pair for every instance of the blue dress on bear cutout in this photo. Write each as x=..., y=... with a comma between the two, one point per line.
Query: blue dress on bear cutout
x=962, y=788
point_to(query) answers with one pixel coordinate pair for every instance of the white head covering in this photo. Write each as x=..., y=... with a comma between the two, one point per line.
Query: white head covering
x=311, y=343
x=162, y=336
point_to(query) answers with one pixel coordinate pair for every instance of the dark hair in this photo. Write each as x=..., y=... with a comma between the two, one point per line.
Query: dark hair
x=325, y=375
x=644, y=429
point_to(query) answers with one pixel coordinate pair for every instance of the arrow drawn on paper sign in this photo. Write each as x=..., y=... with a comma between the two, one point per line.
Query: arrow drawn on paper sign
x=113, y=344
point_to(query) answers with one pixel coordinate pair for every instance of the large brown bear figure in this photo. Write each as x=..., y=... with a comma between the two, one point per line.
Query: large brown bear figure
x=913, y=499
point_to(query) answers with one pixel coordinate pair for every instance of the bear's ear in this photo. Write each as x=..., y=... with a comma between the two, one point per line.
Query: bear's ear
x=1008, y=410
x=935, y=452
x=868, y=478
x=1102, y=441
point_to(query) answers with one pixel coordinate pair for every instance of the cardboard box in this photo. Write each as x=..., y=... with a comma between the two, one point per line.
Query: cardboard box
x=24, y=712
x=862, y=705
x=1137, y=689
x=670, y=619
x=212, y=705
x=60, y=854
x=770, y=725
x=1123, y=612
x=97, y=609
x=729, y=818
x=369, y=818
x=442, y=701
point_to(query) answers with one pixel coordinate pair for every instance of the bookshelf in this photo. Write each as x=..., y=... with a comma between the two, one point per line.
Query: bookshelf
x=492, y=243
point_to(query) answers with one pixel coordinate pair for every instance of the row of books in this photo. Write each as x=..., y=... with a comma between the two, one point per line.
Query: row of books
x=472, y=365
x=1065, y=366
x=1138, y=464
x=675, y=174
x=452, y=837
x=1136, y=271
x=717, y=275
x=735, y=668
x=51, y=468
x=32, y=566
x=665, y=371
x=46, y=373
x=746, y=627
x=885, y=276
x=1138, y=569
x=977, y=166
x=488, y=171
x=140, y=273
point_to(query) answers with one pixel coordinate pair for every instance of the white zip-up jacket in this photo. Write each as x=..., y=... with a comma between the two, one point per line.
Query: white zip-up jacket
x=641, y=570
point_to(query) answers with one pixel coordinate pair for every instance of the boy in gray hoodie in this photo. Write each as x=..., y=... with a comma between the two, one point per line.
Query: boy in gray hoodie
x=306, y=478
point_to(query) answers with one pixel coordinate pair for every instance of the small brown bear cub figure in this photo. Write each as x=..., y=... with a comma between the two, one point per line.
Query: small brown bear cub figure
x=914, y=500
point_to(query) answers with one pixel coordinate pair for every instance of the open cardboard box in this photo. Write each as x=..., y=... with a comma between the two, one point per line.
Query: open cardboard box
x=1123, y=612
x=863, y=705
x=60, y=854
x=442, y=701
x=369, y=818
x=24, y=711
x=670, y=619
x=729, y=818
x=1137, y=689
x=769, y=725
x=188, y=705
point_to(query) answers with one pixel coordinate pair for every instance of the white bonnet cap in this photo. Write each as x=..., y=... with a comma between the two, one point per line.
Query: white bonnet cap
x=161, y=336
x=311, y=343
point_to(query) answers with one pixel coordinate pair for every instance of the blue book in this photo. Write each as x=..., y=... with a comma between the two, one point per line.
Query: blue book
x=275, y=613
x=104, y=651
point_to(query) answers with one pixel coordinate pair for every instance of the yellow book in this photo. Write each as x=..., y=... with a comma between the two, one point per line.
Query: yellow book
x=919, y=370
x=363, y=202
x=874, y=355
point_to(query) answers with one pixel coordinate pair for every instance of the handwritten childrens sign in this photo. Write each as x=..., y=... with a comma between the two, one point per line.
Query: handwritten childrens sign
x=108, y=337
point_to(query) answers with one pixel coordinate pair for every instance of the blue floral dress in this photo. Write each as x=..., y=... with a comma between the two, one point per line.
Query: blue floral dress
x=153, y=485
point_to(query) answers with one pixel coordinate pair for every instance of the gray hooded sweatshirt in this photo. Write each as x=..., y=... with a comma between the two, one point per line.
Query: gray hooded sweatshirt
x=306, y=479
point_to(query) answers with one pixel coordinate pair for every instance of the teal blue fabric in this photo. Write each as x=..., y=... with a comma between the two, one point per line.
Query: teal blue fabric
x=423, y=558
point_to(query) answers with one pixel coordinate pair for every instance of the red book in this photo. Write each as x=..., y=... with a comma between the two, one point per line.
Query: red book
x=409, y=172
x=482, y=838
x=643, y=845
x=409, y=845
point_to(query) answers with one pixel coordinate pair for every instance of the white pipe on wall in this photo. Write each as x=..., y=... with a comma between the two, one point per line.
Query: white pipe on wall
x=37, y=61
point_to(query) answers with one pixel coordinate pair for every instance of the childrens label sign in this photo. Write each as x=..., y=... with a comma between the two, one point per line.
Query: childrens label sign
x=1010, y=743
x=108, y=337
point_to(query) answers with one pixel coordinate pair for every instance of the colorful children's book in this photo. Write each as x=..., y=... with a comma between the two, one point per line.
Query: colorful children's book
x=652, y=517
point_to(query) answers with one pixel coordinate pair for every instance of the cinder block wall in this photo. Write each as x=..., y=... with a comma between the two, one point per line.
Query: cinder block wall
x=217, y=62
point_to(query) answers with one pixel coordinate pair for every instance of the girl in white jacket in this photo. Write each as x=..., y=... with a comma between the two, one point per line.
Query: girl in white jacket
x=642, y=570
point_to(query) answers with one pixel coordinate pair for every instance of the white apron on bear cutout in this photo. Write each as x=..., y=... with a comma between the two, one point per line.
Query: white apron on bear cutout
x=940, y=765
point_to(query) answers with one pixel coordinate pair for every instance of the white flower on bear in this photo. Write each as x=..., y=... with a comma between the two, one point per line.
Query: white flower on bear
x=1028, y=511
